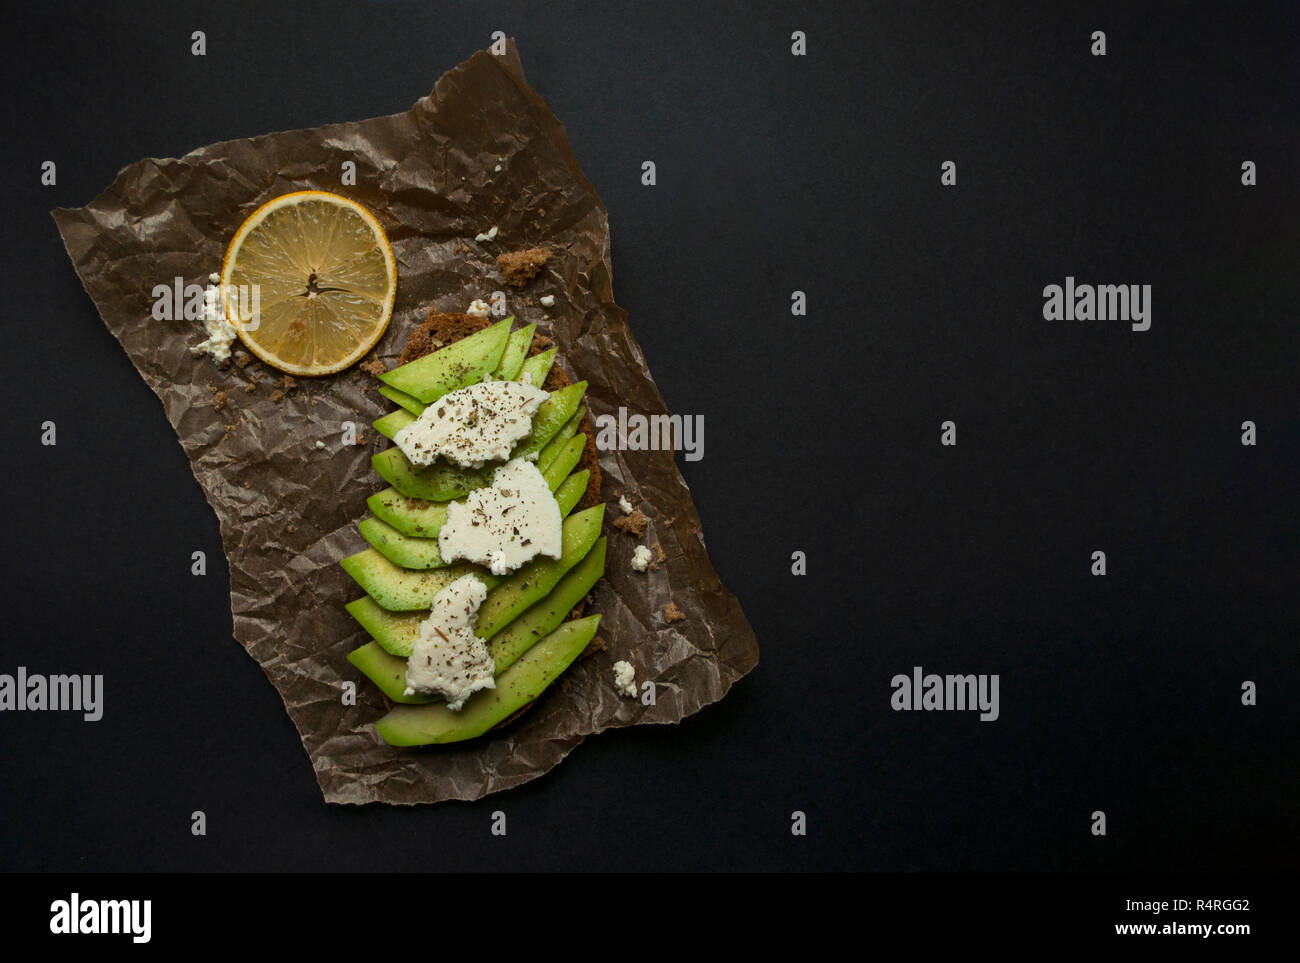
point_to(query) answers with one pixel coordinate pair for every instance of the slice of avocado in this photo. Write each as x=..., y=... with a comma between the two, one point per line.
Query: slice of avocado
x=387, y=668
x=424, y=519
x=439, y=482
x=386, y=671
x=517, y=686
x=536, y=579
x=455, y=366
x=538, y=366
x=421, y=551
x=571, y=491
x=408, y=551
x=394, y=631
x=403, y=590
x=512, y=359
x=543, y=618
x=410, y=516
x=567, y=457
x=393, y=422
x=550, y=418
x=413, y=405
x=567, y=431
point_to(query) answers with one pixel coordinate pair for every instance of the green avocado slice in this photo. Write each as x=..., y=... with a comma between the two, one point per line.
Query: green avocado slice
x=520, y=635
x=538, y=366
x=388, y=672
x=395, y=629
x=393, y=422
x=388, y=669
x=405, y=550
x=512, y=359
x=413, y=405
x=439, y=482
x=567, y=431
x=455, y=366
x=399, y=589
x=420, y=518
x=410, y=516
x=517, y=686
x=536, y=579
x=566, y=458
x=403, y=590
x=550, y=418
x=394, y=632
x=442, y=481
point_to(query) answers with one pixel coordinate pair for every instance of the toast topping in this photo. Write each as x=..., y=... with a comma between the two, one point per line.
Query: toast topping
x=505, y=525
x=447, y=657
x=472, y=426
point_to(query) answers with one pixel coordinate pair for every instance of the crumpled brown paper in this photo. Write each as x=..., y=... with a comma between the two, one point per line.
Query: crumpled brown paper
x=288, y=511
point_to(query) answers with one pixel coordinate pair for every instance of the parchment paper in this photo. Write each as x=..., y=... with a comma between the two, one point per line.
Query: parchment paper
x=288, y=511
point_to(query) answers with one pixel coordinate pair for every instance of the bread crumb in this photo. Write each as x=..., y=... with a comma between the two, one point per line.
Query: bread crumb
x=672, y=613
x=242, y=359
x=520, y=267
x=633, y=524
x=250, y=387
x=659, y=553
x=597, y=644
x=373, y=366
x=218, y=401
x=290, y=529
x=287, y=385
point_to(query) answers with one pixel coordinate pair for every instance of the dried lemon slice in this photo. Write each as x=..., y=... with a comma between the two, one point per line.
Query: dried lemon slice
x=308, y=282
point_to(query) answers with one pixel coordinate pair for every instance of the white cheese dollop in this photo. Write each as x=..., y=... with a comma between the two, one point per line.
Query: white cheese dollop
x=505, y=525
x=221, y=333
x=480, y=309
x=447, y=657
x=624, y=504
x=548, y=300
x=625, y=679
x=641, y=558
x=472, y=426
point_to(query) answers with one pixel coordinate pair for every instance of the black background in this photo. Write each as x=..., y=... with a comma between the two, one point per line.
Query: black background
x=775, y=173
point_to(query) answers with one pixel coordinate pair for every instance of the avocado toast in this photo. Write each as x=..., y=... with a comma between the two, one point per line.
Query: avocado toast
x=530, y=619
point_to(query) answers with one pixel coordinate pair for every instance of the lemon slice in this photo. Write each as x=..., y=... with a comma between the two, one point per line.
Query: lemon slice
x=308, y=282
